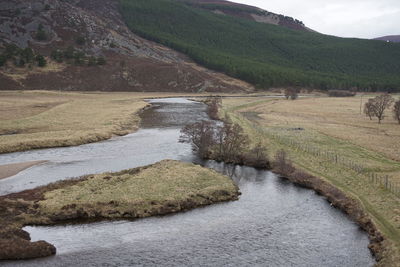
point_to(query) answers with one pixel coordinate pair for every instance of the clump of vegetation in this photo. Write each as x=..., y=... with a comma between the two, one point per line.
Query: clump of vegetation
x=213, y=104
x=376, y=107
x=282, y=164
x=80, y=40
x=341, y=93
x=369, y=109
x=41, y=61
x=291, y=93
x=21, y=56
x=41, y=34
x=76, y=57
x=396, y=111
x=226, y=143
x=101, y=61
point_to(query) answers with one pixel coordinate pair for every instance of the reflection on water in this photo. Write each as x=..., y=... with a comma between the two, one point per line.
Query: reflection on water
x=273, y=224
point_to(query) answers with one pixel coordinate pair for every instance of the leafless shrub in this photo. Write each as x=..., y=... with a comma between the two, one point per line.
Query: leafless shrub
x=258, y=157
x=200, y=135
x=234, y=142
x=291, y=93
x=341, y=93
x=282, y=164
x=226, y=143
x=213, y=106
x=396, y=111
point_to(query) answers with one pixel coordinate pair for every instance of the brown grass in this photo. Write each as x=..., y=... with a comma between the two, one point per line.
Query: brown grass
x=40, y=119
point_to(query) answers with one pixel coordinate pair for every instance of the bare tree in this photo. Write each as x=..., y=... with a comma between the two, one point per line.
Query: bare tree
x=226, y=143
x=396, y=111
x=213, y=102
x=200, y=135
x=234, y=142
x=369, y=109
x=381, y=103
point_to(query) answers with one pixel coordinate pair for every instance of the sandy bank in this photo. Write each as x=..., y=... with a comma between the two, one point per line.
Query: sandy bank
x=14, y=168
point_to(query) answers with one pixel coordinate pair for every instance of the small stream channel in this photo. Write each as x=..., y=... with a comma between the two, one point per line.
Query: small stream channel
x=273, y=224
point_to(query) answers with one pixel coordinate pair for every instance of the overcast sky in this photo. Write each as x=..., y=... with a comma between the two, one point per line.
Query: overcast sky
x=345, y=18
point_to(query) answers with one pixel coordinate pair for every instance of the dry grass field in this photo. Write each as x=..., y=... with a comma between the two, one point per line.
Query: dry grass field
x=47, y=119
x=41, y=119
x=329, y=138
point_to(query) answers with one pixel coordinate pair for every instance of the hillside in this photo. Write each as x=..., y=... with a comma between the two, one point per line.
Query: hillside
x=87, y=46
x=390, y=38
x=247, y=12
x=263, y=54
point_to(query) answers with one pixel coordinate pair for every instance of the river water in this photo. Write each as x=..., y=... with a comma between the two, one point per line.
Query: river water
x=273, y=224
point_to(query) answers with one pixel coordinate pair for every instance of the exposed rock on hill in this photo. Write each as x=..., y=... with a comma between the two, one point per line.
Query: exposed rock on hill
x=95, y=28
x=248, y=12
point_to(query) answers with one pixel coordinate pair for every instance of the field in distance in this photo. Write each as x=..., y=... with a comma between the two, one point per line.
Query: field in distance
x=330, y=139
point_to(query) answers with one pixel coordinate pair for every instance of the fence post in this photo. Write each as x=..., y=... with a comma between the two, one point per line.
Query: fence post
x=387, y=181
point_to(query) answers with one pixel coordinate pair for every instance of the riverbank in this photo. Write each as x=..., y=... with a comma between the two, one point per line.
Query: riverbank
x=45, y=119
x=14, y=168
x=162, y=188
x=372, y=206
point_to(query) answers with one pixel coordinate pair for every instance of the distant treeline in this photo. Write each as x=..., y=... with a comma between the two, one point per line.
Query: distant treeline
x=266, y=55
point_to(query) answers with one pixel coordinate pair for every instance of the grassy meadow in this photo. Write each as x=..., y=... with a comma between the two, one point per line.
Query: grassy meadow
x=329, y=138
x=47, y=119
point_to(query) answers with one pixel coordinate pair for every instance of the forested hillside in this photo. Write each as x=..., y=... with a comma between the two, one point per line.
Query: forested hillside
x=263, y=54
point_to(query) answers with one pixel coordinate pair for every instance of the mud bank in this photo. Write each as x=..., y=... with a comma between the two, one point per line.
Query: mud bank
x=159, y=189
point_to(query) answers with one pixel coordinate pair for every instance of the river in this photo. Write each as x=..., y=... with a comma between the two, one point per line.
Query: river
x=275, y=223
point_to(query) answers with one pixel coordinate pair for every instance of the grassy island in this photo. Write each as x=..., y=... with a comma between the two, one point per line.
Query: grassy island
x=162, y=188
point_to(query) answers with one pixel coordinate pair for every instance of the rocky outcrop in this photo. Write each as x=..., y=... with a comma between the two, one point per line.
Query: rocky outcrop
x=248, y=12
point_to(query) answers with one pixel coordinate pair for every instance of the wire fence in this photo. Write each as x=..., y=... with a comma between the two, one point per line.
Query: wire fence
x=378, y=179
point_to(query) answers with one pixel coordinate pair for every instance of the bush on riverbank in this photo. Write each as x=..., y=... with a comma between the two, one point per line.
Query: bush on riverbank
x=226, y=143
